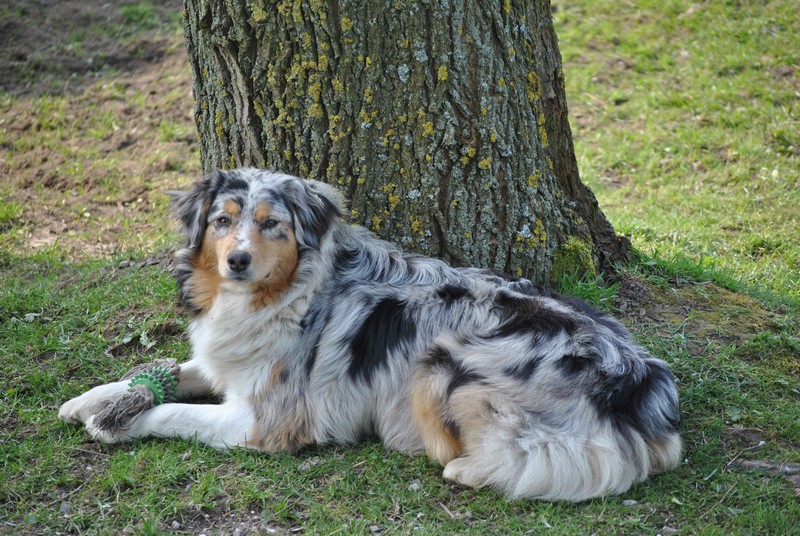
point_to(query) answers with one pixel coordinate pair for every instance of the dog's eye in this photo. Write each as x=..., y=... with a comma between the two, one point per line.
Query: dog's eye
x=269, y=224
x=222, y=221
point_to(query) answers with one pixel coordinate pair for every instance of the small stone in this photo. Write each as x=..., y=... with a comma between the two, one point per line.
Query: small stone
x=629, y=502
x=175, y=525
x=375, y=529
x=415, y=485
x=125, y=264
x=65, y=509
x=128, y=530
x=239, y=532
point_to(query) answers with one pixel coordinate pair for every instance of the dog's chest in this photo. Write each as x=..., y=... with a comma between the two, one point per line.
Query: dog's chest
x=233, y=343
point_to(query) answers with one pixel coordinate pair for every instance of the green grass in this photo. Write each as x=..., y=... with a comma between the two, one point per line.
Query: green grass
x=685, y=119
x=680, y=118
x=67, y=327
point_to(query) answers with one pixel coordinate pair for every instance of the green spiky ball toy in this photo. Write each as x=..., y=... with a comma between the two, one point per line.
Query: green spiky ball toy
x=148, y=386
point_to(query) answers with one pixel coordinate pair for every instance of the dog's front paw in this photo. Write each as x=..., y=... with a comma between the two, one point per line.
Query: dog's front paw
x=105, y=435
x=81, y=408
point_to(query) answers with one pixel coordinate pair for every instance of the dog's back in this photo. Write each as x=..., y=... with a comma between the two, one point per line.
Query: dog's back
x=505, y=384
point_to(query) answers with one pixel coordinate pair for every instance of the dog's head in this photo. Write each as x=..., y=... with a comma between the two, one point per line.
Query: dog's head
x=251, y=227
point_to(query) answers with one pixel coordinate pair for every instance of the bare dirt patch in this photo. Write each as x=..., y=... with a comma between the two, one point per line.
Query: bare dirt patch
x=96, y=122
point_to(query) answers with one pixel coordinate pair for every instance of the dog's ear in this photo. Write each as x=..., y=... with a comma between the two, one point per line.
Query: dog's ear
x=316, y=206
x=191, y=207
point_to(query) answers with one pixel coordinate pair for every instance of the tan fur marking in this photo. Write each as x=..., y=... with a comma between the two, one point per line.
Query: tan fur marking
x=205, y=278
x=275, y=373
x=231, y=207
x=281, y=258
x=262, y=212
x=440, y=443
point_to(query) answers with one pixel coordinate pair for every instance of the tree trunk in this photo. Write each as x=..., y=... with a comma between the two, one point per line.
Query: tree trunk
x=444, y=123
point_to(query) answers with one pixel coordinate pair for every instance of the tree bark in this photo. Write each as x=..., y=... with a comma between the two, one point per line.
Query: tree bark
x=444, y=122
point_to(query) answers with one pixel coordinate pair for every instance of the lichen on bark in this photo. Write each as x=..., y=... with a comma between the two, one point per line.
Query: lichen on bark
x=444, y=123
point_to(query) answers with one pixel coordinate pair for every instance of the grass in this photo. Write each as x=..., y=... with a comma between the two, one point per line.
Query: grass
x=685, y=120
x=680, y=116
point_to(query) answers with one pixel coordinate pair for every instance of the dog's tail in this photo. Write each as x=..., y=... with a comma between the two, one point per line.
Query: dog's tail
x=551, y=440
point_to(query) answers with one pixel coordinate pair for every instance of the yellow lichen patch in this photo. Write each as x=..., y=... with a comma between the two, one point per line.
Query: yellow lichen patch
x=258, y=13
x=315, y=111
x=336, y=84
x=219, y=128
x=427, y=129
x=485, y=163
x=416, y=225
x=394, y=200
x=533, y=91
x=441, y=73
x=533, y=180
x=314, y=90
x=258, y=109
x=542, y=130
x=347, y=24
x=368, y=96
x=376, y=223
x=511, y=53
x=501, y=82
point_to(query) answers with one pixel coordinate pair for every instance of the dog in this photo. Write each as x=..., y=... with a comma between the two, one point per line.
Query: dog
x=313, y=331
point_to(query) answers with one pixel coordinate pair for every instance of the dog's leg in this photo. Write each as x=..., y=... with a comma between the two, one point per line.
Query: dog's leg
x=219, y=426
x=81, y=408
x=191, y=383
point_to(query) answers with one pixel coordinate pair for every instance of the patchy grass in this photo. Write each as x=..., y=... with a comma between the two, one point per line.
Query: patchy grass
x=709, y=214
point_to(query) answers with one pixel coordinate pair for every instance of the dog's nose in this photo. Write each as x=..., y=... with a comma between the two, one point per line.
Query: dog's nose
x=239, y=261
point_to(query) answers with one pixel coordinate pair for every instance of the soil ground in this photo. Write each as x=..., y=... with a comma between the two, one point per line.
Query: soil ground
x=96, y=121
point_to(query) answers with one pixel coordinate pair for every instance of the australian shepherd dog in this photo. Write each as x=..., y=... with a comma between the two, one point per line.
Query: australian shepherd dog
x=312, y=330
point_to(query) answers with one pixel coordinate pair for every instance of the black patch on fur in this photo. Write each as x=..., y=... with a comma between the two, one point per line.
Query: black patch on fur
x=438, y=357
x=645, y=399
x=384, y=330
x=573, y=364
x=584, y=308
x=523, y=371
x=451, y=293
x=523, y=314
x=462, y=377
x=312, y=359
x=345, y=260
x=232, y=183
x=313, y=211
x=284, y=376
x=441, y=358
x=452, y=427
x=312, y=327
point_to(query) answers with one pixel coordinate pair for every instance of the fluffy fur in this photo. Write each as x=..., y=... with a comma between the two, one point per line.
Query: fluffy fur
x=314, y=331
